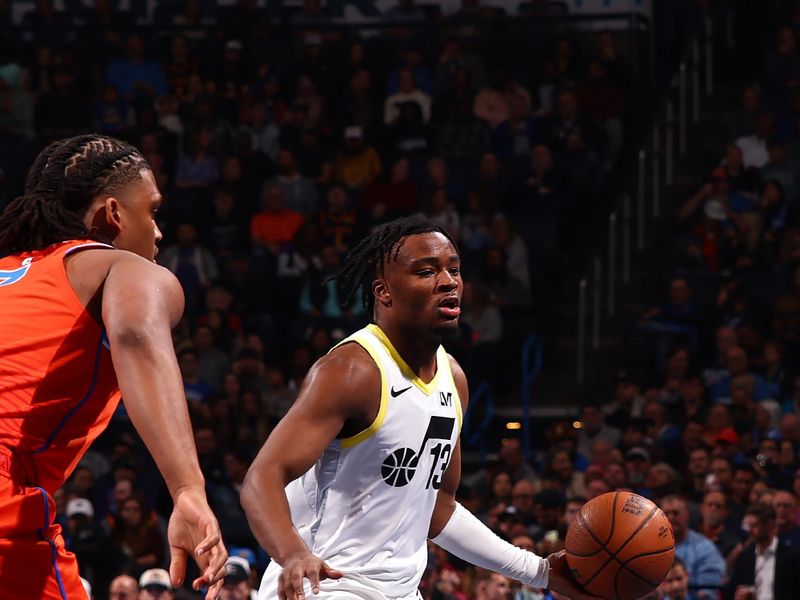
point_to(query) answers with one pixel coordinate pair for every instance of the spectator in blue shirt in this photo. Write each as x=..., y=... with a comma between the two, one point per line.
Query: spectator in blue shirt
x=702, y=559
x=136, y=77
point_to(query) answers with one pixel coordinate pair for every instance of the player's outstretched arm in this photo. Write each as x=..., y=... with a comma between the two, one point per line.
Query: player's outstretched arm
x=141, y=303
x=459, y=532
x=342, y=386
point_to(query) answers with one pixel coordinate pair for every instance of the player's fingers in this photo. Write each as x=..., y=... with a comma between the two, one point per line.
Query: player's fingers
x=331, y=573
x=216, y=563
x=213, y=591
x=281, y=587
x=177, y=565
x=297, y=585
x=313, y=574
x=212, y=539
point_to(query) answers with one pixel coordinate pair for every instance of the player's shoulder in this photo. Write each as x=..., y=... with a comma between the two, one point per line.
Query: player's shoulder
x=348, y=378
x=351, y=362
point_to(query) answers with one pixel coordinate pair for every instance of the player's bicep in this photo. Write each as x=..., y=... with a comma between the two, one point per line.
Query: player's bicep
x=139, y=299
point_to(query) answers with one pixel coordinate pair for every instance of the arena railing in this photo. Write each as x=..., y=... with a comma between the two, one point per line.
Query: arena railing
x=641, y=200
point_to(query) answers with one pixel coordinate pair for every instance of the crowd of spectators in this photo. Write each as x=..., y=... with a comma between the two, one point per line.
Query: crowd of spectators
x=278, y=141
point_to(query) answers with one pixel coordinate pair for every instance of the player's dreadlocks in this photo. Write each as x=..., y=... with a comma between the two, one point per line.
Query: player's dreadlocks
x=364, y=263
x=64, y=180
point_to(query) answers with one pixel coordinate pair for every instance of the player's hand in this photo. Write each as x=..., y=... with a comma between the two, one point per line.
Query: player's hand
x=193, y=531
x=561, y=580
x=298, y=568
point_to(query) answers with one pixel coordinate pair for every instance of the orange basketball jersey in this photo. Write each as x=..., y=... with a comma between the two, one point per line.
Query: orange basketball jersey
x=58, y=389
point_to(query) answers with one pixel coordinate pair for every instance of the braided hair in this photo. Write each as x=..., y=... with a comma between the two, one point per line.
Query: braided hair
x=364, y=263
x=66, y=177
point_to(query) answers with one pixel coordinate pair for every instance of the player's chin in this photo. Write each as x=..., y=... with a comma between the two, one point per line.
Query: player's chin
x=447, y=329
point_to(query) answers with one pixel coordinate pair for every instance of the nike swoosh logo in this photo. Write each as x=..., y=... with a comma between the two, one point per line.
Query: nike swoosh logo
x=396, y=393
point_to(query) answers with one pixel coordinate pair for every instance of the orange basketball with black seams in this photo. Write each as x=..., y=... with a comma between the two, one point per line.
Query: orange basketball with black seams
x=620, y=546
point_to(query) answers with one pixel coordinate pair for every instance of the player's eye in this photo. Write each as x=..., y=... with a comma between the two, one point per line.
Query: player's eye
x=425, y=273
x=455, y=271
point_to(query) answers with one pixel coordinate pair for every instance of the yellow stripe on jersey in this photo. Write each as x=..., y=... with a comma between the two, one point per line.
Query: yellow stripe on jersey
x=444, y=359
x=426, y=388
x=363, y=341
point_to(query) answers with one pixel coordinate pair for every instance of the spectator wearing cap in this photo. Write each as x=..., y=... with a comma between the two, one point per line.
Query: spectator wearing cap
x=83, y=535
x=358, y=163
x=768, y=567
x=701, y=557
x=123, y=587
x=155, y=584
x=593, y=428
x=236, y=583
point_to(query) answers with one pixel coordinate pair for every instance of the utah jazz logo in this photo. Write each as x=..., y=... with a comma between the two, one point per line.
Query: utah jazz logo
x=14, y=275
x=400, y=466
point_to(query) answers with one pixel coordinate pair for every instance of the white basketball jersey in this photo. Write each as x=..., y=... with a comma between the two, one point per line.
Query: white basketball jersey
x=366, y=505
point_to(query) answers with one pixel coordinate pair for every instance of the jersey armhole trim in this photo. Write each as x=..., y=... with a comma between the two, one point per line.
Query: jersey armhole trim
x=377, y=423
x=444, y=359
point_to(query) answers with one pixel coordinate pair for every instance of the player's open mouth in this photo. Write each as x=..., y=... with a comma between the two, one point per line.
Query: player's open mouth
x=449, y=307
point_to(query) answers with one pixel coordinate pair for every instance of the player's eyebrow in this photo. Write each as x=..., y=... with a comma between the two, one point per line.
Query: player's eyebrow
x=433, y=260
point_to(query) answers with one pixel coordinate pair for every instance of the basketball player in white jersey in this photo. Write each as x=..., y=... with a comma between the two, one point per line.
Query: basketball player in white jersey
x=364, y=467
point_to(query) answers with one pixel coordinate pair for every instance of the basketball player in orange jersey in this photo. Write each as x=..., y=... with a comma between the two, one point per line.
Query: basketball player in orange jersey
x=364, y=467
x=86, y=313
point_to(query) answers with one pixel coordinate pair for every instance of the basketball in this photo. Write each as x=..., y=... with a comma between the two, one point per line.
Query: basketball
x=620, y=546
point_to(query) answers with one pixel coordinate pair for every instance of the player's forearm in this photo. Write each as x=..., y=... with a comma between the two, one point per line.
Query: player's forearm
x=469, y=539
x=264, y=502
x=149, y=378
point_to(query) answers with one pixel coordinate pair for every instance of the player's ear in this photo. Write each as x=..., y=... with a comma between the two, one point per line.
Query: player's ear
x=380, y=290
x=111, y=210
x=104, y=216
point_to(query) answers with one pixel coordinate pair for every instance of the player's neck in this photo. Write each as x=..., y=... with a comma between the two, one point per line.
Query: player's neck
x=418, y=351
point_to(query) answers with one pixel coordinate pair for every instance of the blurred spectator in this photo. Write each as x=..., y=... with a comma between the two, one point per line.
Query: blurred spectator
x=492, y=586
x=785, y=505
x=136, y=536
x=136, y=77
x=676, y=584
x=155, y=584
x=703, y=561
x=407, y=92
x=766, y=566
x=84, y=536
x=754, y=146
x=743, y=121
x=236, y=583
x=192, y=264
x=198, y=167
x=123, y=587
x=714, y=517
x=593, y=428
x=63, y=111
x=512, y=461
x=275, y=225
x=358, y=164
x=299, y=193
